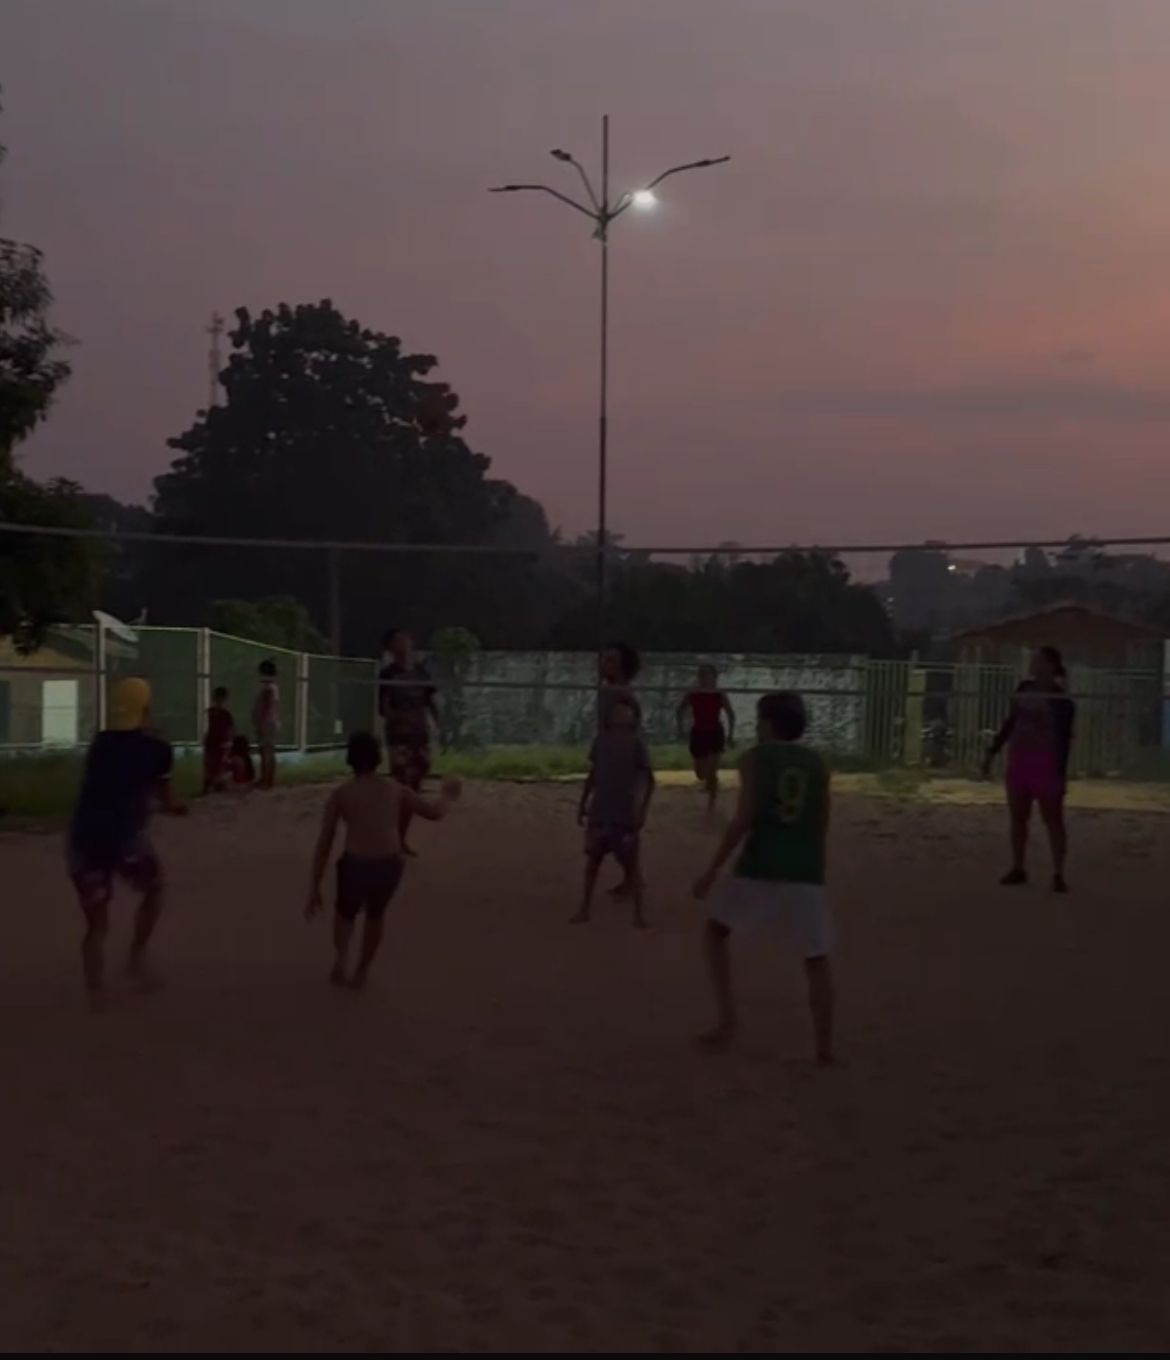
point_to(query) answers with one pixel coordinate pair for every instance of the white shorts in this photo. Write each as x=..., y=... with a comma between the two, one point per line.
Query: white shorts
x=800, y=909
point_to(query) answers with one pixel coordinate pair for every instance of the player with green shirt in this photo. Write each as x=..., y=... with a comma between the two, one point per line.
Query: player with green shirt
x=781, y=822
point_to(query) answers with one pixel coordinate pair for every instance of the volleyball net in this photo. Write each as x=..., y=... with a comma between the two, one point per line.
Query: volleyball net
x=917, y=710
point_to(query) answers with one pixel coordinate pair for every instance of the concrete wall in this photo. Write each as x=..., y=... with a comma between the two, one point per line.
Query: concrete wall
x=549, y=698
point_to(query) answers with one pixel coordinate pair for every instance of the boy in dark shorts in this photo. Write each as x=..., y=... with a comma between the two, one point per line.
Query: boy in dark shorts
x=406, y=704
x=614, y=803
x=126, y=768
x=782, y=823
x=707, y=706
x=370, y=868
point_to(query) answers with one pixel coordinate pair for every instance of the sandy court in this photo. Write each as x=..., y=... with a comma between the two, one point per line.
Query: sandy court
x=511, y=1143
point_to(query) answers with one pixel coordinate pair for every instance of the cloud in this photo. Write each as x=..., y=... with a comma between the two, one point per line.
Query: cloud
x=1024, y=400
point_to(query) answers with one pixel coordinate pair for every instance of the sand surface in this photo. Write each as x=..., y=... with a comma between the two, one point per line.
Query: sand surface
x=511, y=1143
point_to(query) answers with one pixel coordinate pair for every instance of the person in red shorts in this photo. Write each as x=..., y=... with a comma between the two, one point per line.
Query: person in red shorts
x=126, y=769
x=707, y=705
x=1038, y=734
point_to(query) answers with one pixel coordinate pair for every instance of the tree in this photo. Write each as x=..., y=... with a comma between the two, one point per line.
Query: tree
x=453, y=653
x=42, y=579
x=123, y=586
x=330, y=431
x=277, y=622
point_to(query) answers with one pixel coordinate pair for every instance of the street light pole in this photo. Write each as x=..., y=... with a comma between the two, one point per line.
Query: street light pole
x=602, y=214
x=603, y=417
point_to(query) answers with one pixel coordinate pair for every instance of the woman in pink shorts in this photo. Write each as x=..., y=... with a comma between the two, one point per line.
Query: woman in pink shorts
x=1038, y=735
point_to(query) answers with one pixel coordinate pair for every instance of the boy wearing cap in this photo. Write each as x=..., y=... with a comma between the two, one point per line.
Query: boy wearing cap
x=125, y=769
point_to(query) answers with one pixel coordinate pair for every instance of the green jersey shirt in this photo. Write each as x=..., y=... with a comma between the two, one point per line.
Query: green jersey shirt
x=786, y=839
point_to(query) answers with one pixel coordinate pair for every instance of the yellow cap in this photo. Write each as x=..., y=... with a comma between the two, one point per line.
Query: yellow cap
x=129, y=704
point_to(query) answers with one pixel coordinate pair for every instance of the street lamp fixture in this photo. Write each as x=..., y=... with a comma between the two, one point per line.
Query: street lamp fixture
x=602, y=213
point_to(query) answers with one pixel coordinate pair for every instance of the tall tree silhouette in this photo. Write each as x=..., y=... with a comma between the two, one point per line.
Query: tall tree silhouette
x=330, y=431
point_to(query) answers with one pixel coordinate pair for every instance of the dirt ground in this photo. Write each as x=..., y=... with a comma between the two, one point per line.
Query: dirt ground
x=511, y=1143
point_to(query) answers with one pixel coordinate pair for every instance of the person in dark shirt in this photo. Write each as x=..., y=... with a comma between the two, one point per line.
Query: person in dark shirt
x=406, y=705
x=126, y=768
x=1038, y=734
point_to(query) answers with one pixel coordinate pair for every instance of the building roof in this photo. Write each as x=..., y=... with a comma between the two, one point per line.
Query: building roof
x=1058, y=618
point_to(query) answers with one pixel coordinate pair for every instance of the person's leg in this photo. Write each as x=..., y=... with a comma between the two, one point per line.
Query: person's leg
x=1052, y=811
x=412, y=776
x=379, y=892
x=144, y=875
x=821, y=997
x=371, y=940
x=94, y=893
x=347, y=904
x=715, y=939
x=593, y=860
x=711, y=781
x=343, y=924
x=1019, y=813
x=630, y=859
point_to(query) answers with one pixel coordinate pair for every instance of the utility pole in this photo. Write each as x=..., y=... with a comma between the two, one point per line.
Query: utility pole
x=214, y=360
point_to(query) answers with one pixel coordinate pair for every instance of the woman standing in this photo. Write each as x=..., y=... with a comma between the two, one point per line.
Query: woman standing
x=707, y=705
x=1038, y=734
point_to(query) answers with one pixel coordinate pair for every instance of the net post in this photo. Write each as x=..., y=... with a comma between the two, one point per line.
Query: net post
x=99, y=675
x=202, y=676
x=303, y=705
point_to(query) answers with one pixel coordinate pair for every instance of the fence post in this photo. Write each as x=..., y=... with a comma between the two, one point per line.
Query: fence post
x=303, y=706
x=99, y=675
x=202, y=677
x=914, y=712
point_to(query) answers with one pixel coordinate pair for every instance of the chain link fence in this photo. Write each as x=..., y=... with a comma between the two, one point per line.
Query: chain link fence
x=869, y=713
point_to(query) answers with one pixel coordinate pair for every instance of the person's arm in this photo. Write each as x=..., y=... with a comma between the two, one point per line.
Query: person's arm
x=1065, y=732
x=649, y=784
x=680, y=714
x=725, y=704
x=1000, y=740
x=432, y=809
x=737, y=828
x=329, y=820
x=587, y=787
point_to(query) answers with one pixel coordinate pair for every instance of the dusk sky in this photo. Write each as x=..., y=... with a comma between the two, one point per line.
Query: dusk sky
x=928, y=298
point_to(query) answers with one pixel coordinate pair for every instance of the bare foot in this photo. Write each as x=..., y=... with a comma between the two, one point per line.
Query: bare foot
x=337, y=976
x=581, y=918
x=719, y=1037
x=357, y=983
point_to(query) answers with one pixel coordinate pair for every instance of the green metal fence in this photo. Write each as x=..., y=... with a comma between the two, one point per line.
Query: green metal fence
x=876, y=713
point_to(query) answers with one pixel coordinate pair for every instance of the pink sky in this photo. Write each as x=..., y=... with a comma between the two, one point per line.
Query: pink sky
x=927, y=299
